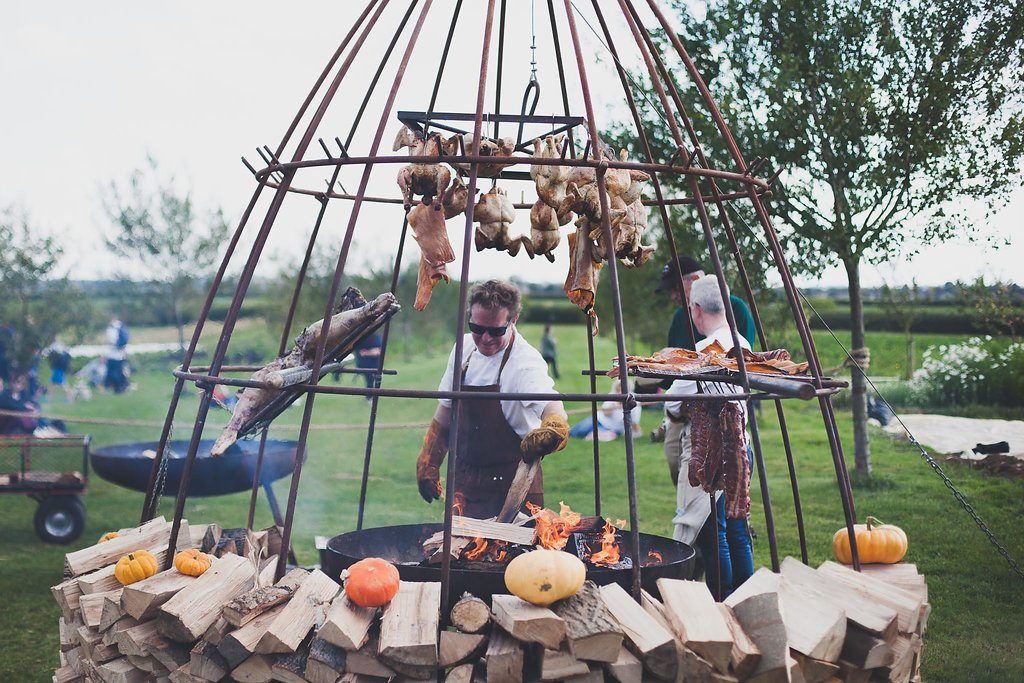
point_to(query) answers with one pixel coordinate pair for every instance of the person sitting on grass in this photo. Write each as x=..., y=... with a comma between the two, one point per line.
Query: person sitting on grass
x=609, y=420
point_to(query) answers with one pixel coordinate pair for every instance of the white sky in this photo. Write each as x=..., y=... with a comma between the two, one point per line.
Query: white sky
x=88, y=89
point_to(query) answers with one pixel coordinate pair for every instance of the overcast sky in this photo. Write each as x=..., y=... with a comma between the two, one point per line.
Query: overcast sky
x=89, y=89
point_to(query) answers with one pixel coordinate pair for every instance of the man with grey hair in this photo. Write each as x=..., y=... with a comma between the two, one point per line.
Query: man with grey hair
x=693, y=504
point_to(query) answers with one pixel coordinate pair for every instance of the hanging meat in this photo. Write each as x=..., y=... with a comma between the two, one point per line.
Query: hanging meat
x=495, y=213
x=544, y=234
x=351, y=312
x=719, y=458
x=429, y=230
x=550, y=180
x=581, y=281
x=429, y=180
x=455, y=199
x=501, y=149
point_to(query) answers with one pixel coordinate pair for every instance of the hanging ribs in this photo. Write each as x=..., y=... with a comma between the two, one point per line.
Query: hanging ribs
x=719, y=457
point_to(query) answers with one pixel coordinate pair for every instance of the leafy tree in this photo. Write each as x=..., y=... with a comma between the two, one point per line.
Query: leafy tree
x=997, y=308
x=889, y=121
x=38, y=302
x=159, y=230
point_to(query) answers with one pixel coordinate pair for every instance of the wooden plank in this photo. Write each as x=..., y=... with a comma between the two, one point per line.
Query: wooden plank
x=92, y=606
x=255, y=669
x=626, y=668
x=527, y=622
x=241, y=643
x=875, y=618
x=697, y=621
x=347, y=625
x=409, y=624
x=470, y=614
x=206, y=662
x=304, y=611
x=142, y=598
x=906, y=604
x=757, y=608
x=252, y=603
x=455, y=648
x=504, y=659
x=102, y=554
x=745, y=654
x=194, y=608
x=650, y=641
x=592, y=633
x=556, y=665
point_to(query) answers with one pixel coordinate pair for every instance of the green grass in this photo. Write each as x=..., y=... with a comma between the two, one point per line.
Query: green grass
x=974, y=632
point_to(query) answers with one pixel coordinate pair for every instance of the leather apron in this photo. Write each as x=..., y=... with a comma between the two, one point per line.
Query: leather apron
x=488, y=454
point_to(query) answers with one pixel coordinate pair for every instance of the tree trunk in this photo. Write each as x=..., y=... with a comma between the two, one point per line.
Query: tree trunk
x=911, y=356
x=861, y=445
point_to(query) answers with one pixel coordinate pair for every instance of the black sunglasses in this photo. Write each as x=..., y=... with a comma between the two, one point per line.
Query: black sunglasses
x=493, y=331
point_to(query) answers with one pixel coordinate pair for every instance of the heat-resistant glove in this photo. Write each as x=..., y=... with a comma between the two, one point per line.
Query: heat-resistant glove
x=428, y=464
x=550, y=436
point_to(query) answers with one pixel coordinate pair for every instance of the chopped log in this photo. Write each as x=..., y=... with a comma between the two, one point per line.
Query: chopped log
x=408, y=627
x=217, y=631
x=649, y=640
x=73, y=658
x=592, y=633
x=796, y=674
x=455, y=648
x=111, y=612
x=171, y=655
x=745, y=653
x=122, y=624
x=64, y=632
x=211, y=538
x=757, y=608
x=272, y=539
x=92, y=606
x=595, y=675
x=468, y=527
x=102, y=580
x=67, y=594
x=864, y=651
x=347, y=625
x=291, y=667
x=238, y=541
x=252, y=603
x=142, y=598
x=693, y=667
x=196, y=534
x=120, y=671
x=132, y=641
x=364, y=661
x=318, y=672
x=626, y=668
x=102, y=554
x=103, y=653
x=905, y=652
x=556, y=665
x=697, y=621
x=815, y=670
x=255, y=669
x=148, y=664
x=66, y=674
x=326, y=661
x=206, y=662
x=460, y=674
x=848, y=673
x=906, y=604
x=241, y=643
x=526, y=622
x=504, y=659
x=183, y=674
x=470, y=614
x=87, y=637
x=304, y=611
x=191, y=611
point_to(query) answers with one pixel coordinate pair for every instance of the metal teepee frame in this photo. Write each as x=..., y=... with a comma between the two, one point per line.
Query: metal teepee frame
x=707, y=186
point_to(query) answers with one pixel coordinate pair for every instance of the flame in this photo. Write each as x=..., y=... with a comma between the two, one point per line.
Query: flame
x=553, y=530
x=621, y=523
x=654, y=557
x=609, y=553
x=457, y=505
x=481, y=549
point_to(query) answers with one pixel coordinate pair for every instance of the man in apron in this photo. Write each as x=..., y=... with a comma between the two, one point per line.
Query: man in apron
x=494, y=436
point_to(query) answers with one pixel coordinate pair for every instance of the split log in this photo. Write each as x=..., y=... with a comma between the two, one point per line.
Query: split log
x=697, y=621
x=142, y=598
x=504, y=659
x=470, y=614
x=455, y=648
x=468, y=527
x=171, y=655
x=460, y=674
x=240, y=644
x=64, y=632
x=626, y=668
x=111, y=612
x=291, y=667
x=67, y=595
x=693, y=667
x=650, y=641
x=864, y=651
x=217, y=631
x=757, y=608
x=796, y=674
x=132, y=641
x=303, y=612
x=110, y=635
x=92, y=606
x=206, y=662
x=66, y=674
x=815, y=670
x=87, y=637
x=364, y=661
x=148, y=664
x=191, y=611
x=592, y=633
x=408, y=627
x=848, y=673
x=745, y=653
x=875, y=618
x=103, y=579
x=527, y=622
x=120, y=671
x=595, y=675
x=103, y=653
x=906, y=604
x=102, y=554
x=211, y=538
x=252, y=603
x=183, y=674
x=326, y=661
x=556, y=665
x=73, y=658
x=255, y=669
x=905, y=655
x=347, y=625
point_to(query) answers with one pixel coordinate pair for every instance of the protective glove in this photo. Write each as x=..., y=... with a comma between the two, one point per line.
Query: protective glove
x=428, y=464
x=550, y=436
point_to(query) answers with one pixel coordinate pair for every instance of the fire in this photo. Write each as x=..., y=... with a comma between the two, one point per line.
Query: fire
x=484, y=550
x=654, y=557
x=476, y=549
x=553, y=530
x=609, y=553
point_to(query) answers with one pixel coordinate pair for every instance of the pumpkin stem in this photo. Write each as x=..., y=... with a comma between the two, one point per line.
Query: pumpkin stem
x=873, y=521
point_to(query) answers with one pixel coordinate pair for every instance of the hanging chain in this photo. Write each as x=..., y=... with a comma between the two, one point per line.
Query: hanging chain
x=161, y=479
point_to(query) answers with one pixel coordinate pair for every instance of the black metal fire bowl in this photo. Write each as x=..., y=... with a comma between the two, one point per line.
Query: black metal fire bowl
x=403, y=545
x=126, y=465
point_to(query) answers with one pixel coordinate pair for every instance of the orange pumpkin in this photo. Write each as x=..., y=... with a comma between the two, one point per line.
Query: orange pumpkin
x=107, y=536
x=372, y=582
x=192, y=562
x=135, y=567
x=876, y=543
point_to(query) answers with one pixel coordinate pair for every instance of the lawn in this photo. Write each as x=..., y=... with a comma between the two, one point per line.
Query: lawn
x=974, y=631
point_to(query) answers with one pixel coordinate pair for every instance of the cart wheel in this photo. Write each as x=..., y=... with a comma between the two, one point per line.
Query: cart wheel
x=60, y=519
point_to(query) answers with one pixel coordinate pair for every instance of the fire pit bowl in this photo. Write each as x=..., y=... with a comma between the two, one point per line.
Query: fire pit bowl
x=403, y=545
x=127, y=465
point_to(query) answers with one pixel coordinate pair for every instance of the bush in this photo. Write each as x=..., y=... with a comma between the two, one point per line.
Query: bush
x=980, y=371
x=931, y=319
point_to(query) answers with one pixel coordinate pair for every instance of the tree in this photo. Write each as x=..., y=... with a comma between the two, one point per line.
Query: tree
x=159, y=230
x=904, y=304
x=889, y=120
x=38, y=302
x=996, y=308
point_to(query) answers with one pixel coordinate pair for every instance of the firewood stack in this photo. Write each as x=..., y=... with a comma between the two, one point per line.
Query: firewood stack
x=234, y=623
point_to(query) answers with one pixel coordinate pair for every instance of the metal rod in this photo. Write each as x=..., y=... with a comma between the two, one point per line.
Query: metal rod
x=593, y=417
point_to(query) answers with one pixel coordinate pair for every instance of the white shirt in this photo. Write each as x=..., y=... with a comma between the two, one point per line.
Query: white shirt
x=613, y=422
x=687, y=386
x=525, y=372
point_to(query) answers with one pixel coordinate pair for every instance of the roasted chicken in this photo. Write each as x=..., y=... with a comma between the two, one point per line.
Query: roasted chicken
x=544, y=234
x=500, y=149
x=551, y=180
x=495, y=213
x=429, y=180
x=456, y=198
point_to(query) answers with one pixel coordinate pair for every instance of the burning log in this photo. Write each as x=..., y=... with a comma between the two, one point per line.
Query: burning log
x=526, y=622
x=554, y=529
x=470, y=614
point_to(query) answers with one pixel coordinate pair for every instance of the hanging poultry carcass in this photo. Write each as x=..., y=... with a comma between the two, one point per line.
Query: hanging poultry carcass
x=581, y=281
x=495, y=212
x=455, y=199
x=544, y=235
x=500, y=149
x=429, y=180
x=550, y=180
x=431, y=235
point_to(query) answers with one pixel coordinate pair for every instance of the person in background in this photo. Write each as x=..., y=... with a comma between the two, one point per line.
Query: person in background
x=15, y=398
x=117, y=338
x=549, y=350
x=609, y=420
x=693, y=505
x=368, y=352
x=59, y=358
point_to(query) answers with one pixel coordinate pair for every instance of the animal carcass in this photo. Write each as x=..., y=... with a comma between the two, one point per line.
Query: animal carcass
x=428, y=180
x=435, y=251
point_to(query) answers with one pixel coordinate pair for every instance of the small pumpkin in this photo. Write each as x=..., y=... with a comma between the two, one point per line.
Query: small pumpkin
x=107, y=536
x=876, y=543
x=135, y=566
x=372, y=582
x=544, y=576
x=192, y=562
